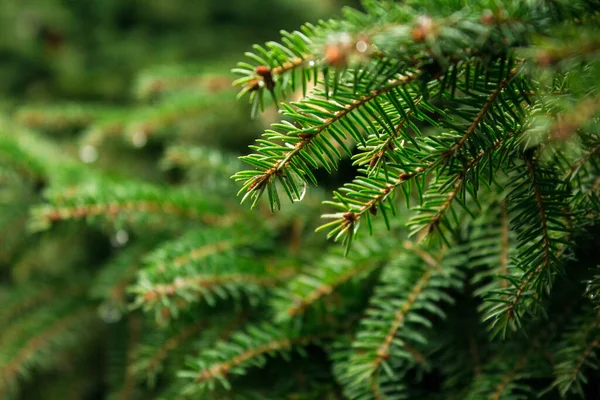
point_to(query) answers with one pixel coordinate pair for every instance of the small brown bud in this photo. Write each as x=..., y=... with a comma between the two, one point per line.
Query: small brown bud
x=350, y=216
x=373, y=210
x=417, y=34
x=263, y=70
x=335, y=55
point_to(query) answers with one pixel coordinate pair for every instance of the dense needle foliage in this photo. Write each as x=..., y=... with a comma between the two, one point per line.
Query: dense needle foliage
x=456, y=257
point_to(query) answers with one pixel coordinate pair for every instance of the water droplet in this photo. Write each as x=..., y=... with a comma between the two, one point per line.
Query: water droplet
x=311, y=63
x=109, y=312
x=139, y=139
x=590, y=290
x=120, y=238
x=88, y=154
x=299, y=183
x=362, y=46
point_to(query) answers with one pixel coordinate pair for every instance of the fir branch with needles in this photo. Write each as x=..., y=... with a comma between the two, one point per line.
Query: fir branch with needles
x=445, y=152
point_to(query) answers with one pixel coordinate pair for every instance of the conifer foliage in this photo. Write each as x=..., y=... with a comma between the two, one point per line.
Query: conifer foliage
x=457, y=259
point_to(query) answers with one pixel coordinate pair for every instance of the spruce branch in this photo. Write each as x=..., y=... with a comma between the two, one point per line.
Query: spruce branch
x=202, y=265
x=505, y=372
x=172, y=343
x=153, y=355
x=16, y=303
x=437, y=201
x=315, y=117
x=59, y=117
x=483, y=115
x=492, y=252
x=576, y=352
x=112, y=281
x=276, y=65
x=40, y=336
x=487, y=106
x=503, y=386
x=376, y=151
x=15, y=158
x=369, y=194
x=131, y=203
x=195, y=286
x=504, y=241
x=243, y=350
x=164, y=262
x=542, y=237
x=396, y=319
x=316, y=283
x=128, y=385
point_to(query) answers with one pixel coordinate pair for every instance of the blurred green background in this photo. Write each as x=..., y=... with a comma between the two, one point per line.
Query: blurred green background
x=123, y=87
x=91, y=50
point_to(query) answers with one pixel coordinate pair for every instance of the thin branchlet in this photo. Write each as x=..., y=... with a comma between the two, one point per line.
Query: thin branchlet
x=546, y=247
x=301, y=304
x=10, y=369
x=383, y=352
x=265, y=178
x=222, y=369
x=501, y=388
x=504, y=242
x=197, y=254
x=172, y=343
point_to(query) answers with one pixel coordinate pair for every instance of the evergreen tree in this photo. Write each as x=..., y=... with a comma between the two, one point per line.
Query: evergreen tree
x=463, y=138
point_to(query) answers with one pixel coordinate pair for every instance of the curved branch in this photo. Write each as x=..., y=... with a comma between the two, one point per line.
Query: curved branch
x=504, y=243
x=478, y=118
x=545, y=239
x=259, y=181
x=499, y=390
x=172, y=343
x=197, y=254
x=34, y=344
x=222, y=369
x=51, y=214
x=198, y=283
x=326, y=289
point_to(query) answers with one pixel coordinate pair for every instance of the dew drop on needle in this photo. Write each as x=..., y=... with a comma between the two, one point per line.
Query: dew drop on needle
x=295, y=181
